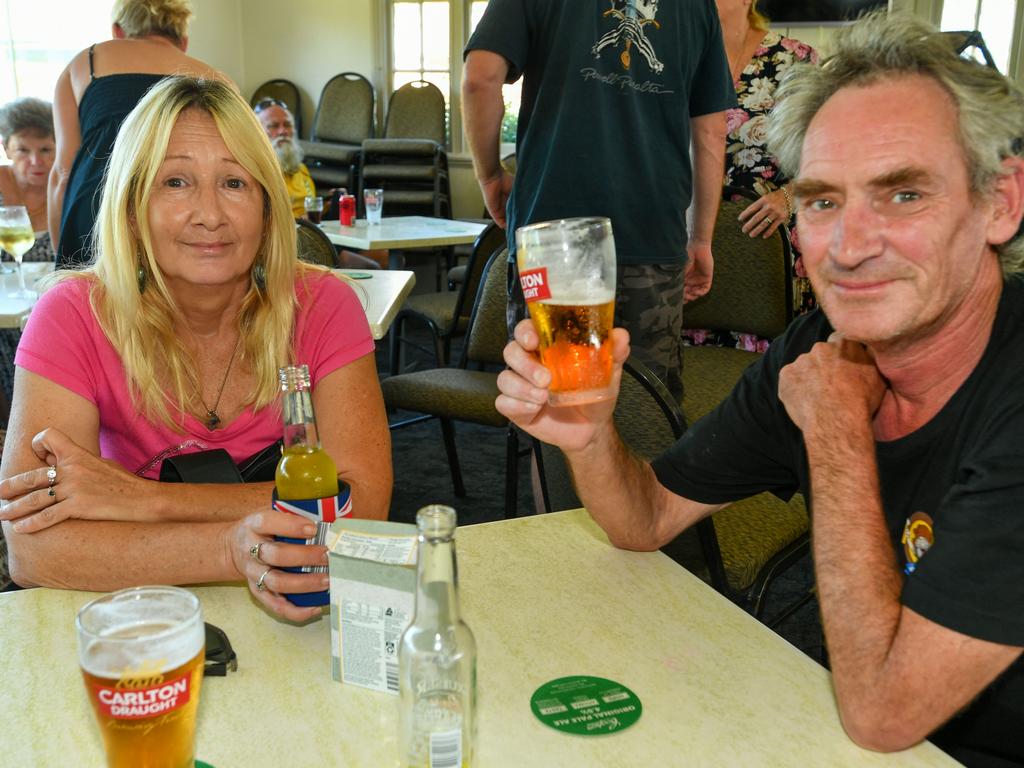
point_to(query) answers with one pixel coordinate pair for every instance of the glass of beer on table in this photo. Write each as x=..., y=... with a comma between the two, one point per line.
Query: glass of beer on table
x=567, y=272
x=141, y=651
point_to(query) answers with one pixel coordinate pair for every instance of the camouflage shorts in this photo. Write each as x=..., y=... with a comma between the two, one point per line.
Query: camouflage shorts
x=648, y=304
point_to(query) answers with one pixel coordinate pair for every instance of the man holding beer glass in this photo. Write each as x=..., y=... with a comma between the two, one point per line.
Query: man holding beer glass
x=897, y=411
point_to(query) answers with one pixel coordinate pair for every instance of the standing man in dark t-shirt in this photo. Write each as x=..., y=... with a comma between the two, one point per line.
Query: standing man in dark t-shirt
x=899, y=412
x=615, y=93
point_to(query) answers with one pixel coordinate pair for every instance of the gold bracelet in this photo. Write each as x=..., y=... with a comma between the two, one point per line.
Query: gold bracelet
x=789, y=202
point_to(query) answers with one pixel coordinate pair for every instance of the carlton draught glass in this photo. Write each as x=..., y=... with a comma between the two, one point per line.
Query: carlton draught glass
x=567, y=271
x=141, y=651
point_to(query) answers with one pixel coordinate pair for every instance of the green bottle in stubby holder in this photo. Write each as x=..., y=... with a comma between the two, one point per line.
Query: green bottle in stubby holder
x=306, y=482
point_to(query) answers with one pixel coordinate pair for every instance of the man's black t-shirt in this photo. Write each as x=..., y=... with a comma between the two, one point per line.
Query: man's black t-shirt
x=953, y=494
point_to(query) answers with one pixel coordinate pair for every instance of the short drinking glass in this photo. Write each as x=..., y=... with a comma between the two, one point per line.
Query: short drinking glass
x=567, y=271
x=373, y=200
x=141, y=651
x=17, y=237
x=314, y=208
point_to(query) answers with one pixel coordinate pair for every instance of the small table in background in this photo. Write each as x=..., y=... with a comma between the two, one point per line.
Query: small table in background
x=382, y=293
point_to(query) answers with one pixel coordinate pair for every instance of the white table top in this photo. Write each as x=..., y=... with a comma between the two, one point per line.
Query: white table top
x=403, y=232
x=382, y=295
x=546, y=597
x=383, y=292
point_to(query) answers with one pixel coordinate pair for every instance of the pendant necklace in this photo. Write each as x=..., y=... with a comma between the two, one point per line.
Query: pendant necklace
x=212, y=419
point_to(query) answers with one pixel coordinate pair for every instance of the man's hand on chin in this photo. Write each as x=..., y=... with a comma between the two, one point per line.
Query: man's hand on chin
x=834, y=385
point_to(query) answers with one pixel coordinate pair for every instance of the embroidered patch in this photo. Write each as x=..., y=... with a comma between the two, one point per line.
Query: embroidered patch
x=918, y=537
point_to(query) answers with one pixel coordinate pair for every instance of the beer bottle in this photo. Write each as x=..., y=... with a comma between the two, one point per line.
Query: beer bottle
x=437, y=657
x=306, y=481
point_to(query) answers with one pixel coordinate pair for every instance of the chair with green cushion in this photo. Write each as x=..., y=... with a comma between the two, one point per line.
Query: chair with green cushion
x=741, y=548
x=313, y=245
x=343, y=120
x=461, y=393
x=446, y=313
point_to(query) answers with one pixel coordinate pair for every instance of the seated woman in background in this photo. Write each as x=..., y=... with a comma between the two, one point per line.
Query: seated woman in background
x=170, y=343
x=26, y=126
x=100, y=86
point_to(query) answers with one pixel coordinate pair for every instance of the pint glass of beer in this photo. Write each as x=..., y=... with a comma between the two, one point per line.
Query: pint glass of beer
x=141, y=651
x=567, y=271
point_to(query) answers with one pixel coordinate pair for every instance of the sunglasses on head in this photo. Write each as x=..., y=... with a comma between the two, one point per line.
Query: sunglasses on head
x=220, y=656
x=267, y=103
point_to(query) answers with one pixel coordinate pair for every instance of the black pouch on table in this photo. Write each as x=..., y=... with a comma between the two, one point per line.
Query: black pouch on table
x=216, y=466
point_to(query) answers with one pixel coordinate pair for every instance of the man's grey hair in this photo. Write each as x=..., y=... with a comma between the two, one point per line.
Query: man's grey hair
x=27, y=115
x=878, y=47
x=289, y=153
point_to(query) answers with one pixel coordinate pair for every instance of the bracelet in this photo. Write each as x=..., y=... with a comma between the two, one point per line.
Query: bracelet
x=789, y=202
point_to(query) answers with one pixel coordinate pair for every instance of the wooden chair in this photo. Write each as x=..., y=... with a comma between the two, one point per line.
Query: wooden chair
x=461, y=393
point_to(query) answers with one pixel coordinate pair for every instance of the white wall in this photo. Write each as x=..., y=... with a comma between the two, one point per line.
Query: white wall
x=216, y=36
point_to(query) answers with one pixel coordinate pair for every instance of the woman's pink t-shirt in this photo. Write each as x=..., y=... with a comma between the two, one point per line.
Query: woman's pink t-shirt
x=64, y=343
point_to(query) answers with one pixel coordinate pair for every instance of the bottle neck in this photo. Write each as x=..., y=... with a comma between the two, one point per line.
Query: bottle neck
x=437, y=596
x=299, y=420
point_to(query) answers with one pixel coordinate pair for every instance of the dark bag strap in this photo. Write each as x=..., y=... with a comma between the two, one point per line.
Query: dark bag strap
x=216, y=466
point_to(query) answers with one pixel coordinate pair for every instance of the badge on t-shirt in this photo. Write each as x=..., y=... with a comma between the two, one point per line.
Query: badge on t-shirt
x=918, y=537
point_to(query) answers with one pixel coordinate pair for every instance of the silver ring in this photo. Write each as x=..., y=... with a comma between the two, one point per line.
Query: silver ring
x=51, y=476
x=259, y=582
x=254, y=552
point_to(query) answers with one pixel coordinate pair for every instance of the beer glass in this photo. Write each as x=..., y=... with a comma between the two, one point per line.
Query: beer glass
x=141, y=651
x=373, y=201
x=17, y=237
x=567, y=271
x=314, y=206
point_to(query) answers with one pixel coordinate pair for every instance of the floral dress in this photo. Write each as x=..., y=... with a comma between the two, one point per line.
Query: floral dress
x=748, y=164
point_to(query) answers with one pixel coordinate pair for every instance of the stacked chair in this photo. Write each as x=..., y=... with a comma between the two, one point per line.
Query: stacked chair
x=410, y=162
x=284, y=91
x=466, y=392
x=344, y=119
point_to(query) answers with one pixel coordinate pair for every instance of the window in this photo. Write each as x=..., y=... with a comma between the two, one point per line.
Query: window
x=993, y=18
x=425, y=42
x=34, y=48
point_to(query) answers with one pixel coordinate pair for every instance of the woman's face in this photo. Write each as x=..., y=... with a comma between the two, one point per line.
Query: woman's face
x=205, y=211
x=32, y=156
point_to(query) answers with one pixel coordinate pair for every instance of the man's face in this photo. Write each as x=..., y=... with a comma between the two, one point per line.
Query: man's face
x=890, y=236
x=277, y=122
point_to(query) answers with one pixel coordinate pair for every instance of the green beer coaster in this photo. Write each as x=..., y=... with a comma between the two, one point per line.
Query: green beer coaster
x=201, y=764
x=588, y=706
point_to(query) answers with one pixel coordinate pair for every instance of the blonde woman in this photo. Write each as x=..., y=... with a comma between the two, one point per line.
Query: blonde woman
x=169, y=344
x=94, y=94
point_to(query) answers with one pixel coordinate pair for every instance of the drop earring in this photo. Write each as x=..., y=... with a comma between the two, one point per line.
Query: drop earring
x=259, y=276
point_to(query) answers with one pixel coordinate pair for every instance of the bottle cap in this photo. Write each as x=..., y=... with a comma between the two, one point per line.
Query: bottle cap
x=436, y=521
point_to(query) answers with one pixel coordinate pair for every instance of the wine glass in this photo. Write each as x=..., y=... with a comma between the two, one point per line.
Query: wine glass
x=17, y=237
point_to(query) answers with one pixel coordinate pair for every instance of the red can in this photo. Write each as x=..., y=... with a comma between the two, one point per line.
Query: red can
x=347, y=210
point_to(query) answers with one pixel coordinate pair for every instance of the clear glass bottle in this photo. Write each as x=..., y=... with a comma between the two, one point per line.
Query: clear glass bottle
x=437, y=657
x=305, y=471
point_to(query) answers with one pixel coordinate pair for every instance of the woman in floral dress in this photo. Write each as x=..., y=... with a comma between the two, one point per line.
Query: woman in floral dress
x=758, y=57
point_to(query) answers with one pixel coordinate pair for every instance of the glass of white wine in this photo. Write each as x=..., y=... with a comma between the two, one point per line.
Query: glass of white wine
x=16, y=237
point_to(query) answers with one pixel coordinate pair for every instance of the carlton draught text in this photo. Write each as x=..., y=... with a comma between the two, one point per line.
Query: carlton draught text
x=575, y=344
x=143, y=678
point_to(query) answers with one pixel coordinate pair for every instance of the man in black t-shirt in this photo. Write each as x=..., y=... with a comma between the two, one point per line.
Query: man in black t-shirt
x=614, y=95
x=898, y=412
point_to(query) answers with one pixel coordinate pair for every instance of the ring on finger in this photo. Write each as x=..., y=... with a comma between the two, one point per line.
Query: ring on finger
x=259, y=582
x=51, y=476
x=254, y=552
x=768, y=219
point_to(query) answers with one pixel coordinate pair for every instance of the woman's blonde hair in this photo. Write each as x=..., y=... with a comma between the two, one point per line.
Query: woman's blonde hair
x=755, y=18
x=168, y=18
x=129, y=295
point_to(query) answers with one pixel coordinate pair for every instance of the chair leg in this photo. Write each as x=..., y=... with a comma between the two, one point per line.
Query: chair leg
x=511, y=472
x=440, y=351
x=395, y=343
x=448, y=433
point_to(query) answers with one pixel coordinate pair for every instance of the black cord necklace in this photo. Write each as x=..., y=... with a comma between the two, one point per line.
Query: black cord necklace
x=212, y=419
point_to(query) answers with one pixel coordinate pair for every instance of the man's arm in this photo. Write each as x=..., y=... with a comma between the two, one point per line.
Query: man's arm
x=482, y=111
x=619, y=490
x=881, y=651
x=708, y=157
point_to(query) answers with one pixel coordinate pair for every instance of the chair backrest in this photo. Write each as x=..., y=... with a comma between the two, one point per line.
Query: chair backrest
x=313, y=245
x=752, y=290
x=646, y=416
x=487, y=242
x=488, y=327
x=285, y=91
x=416, y=111
x=345, y=112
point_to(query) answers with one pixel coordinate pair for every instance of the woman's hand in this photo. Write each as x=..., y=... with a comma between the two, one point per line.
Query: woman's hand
x=74, y=484
x=762, y=217
x=258, y=559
